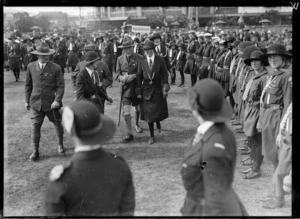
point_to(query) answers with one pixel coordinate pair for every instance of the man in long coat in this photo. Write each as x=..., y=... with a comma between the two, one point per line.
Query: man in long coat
x=152, y=88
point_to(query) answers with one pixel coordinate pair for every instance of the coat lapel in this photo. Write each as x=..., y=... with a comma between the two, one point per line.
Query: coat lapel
x=88, y=79
x=37, y=67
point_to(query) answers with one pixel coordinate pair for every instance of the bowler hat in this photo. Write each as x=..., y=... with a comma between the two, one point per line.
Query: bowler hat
x=230, y=39
x=127, y=43
x=148, y=45
x=43, y=50
x=256, y=55
x=90, y=57
x=155, y=36
x=136, y=39
x=277, y=49
x=248, y=50
x=207, y=97
x=84, y=120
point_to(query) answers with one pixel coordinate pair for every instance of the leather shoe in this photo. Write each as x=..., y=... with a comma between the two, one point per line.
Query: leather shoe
x=138, y=129
x=235, y=123
x=151, y=140
x=34, y=156
x=239, y=131
x=266, y=197
x=247, y=170
x=243, y=148
x=246, y=152
x=61, y=149
x=127, y=138
x=179, y=85
x=275, y=202
x=159, y=130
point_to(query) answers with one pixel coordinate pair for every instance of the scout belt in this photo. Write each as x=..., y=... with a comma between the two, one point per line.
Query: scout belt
x=272, y=106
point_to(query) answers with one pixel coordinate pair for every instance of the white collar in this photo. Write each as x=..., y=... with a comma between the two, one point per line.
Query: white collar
x=204, y=127
x=89, y=71
x=152, y=58
x=83, y=148
x=42, y=64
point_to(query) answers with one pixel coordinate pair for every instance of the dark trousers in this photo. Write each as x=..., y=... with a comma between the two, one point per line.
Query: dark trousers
x=193, y=79
x=37, y=119
x=182, y=77
x=256, y=151
x=173, y=79
x=16, y=72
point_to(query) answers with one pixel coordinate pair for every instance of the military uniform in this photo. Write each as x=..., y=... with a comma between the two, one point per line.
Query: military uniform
x=207, y=53
x=180, y=63
x=73, y=59
x=208, y=172
x=14, y=59
x=94, y=183
x=42, y=88
x=193, y=46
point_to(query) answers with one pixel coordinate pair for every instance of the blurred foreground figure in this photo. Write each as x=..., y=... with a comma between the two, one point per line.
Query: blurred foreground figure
x=94, y=182
x=208, y=166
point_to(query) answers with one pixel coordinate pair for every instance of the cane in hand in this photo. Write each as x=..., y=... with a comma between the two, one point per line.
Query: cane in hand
x=55, y=122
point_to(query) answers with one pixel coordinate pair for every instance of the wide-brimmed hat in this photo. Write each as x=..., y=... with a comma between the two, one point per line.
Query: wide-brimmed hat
x=256, y=55
x=244, y=44
x=223, y=42
x=248, y=50
x=208, y=98
x=155, y=36
x=148, y=44
x=173, y=44
x=136, y=39
x=193, y=33
x=126, y=44
x=84, y=120
x=43, y=50
x=90, y=57
x=277, y=49
x=230, y=39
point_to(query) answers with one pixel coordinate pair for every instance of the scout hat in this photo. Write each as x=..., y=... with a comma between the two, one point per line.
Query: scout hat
x=90, y=47
x=256, y=55
x=127, y=43
x=207, y=97
x=35, y=37
x=90, y=57
x=155, y=36
x=43, y=50
x=277, y=49
x=148, y=45
x=84, y=120
x=248, y=50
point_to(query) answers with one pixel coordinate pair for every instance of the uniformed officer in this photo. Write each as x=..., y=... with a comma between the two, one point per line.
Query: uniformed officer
x=44, y=90
x=207, y=53
x=94, y=182
x=209, y=164
x=126, y=70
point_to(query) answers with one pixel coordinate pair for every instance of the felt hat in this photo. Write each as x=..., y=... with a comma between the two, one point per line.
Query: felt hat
x=136, y=39
x=127, y=43
x=148, y=45
x=182, y=46
x=35, y=37
x=244, y=44
x=155, y=36
x=84, y=120
x=12, y=36
x=193, y=33
x=43, y=50
x=248, y=50
x=256, y=55
x=90, y=47
x=208, y=98
x=90, y=57
x=230, y=39
x=277, y=49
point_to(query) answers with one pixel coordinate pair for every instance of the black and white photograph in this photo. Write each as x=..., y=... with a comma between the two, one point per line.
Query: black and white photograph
x=148, y=111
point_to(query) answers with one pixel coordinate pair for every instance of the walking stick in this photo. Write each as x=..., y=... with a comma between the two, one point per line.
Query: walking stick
x=55, y=121
x=120, y=108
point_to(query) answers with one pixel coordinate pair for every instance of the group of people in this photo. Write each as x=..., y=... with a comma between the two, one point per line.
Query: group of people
x=231, y=79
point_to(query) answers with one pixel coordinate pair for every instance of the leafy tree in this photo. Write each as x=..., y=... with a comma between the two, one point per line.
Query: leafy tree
x=272, y=15
x=43, y=22
x=24, y=23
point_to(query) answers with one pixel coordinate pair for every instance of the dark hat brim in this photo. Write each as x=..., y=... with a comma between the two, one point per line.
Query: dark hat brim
x=51, y=51
x=128, y=46
x=87, y=63
x=105, y=133
x=263, y=60
x=279, y=54
x=154, y=37
x=223, y=115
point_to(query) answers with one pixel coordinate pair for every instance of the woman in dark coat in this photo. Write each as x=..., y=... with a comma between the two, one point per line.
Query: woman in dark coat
x=73, y=50
x=60, y=55
x=209, y=164
x=180, y=62
x=14, y=57
x=152, y=83
x=251, y=96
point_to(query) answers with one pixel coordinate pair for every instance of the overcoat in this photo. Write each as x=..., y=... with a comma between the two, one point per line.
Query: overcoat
x=14, y=56
x=73, y=55
x=252, y=105
x=163, y=52
x=180, y=63
x=207, y=174
x=42, y=87
x=150, y=84
x=93, y=183
x=60, y=56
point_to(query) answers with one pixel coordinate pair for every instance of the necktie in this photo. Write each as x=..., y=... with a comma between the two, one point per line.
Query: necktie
x=93, y=77
x=197, y=138
x=42, y=67
x=158, y=51
x=270, y=80
x=150, y=64
x=247, y=89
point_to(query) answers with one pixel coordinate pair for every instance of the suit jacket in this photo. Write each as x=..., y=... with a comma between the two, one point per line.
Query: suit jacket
x=102, y=70
x=131, y=68
x=86, y=89
x=42, y=87
x=164, y=53
x=208, y=172
x=94, y=183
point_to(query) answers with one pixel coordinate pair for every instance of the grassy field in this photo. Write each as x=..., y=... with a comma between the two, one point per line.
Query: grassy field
x=156, y=168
